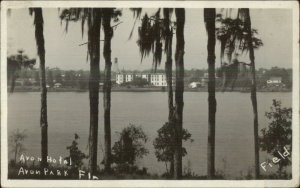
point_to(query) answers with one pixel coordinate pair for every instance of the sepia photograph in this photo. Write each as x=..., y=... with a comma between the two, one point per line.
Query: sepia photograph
x=153, y=93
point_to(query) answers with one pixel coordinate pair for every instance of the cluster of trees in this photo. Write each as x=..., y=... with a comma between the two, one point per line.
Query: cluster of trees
x=285, y=74
x=68, y=78
x=155, y=37
x=15, y=64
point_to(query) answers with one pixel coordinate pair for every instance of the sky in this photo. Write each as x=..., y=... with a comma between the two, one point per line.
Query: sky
x=63, y=51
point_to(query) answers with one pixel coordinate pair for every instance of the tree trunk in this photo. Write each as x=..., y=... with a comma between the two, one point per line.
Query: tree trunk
x=94, y=20
x=168, y=66
x=108, y=32
x=253, y=91
x=16, y=151
x=209, y=18
x=180, y=19
x=172, y=167
x=168, y=69
x=40, y=43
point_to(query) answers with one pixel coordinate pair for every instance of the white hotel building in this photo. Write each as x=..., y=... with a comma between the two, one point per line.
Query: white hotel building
x=158, y=79
x=155, y=79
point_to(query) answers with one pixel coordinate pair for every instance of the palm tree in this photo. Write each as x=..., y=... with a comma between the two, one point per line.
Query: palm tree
x=14, y=64
x=179, y=89
x=40, y=43
x=93, y=18
x=94, y=22
x=168, y=35
x=108, y=14
x=108, y=33
x=152, y=33
x=246, y=14
x=209, y=19
x=233, y=38
x=242, y=35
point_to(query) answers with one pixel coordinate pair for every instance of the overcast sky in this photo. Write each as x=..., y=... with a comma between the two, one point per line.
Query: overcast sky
x=63, y=50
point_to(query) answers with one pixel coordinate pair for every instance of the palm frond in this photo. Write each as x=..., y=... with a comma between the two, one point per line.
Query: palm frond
x=157, y=48
x=15, y=63
x=116, y=14
x=232, y=34
x=74, y=15
x=146, y=38
x=136, y=14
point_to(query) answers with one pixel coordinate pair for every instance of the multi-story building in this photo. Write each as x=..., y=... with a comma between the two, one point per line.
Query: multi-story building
x=129, y=77
x=120, y=78
x=147, y=77
x=155, y=79
x=158, y=79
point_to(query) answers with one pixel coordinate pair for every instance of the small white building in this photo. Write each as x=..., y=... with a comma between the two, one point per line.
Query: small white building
x=274, y=80
x=194, y=85
x=120, y=78
x=129, y=77
x=57, y=85
x=147, y=77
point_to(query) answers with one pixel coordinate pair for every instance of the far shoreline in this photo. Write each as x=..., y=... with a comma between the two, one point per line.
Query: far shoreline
x=150, y=89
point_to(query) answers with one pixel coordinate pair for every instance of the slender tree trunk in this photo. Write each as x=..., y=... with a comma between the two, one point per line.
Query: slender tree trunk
x=253, y=92
x=108, y=32
x=168, y=66
x=168, y=69
x=40, y=43
x=13, y=82
x=172, y=167
x=209, y=18
x=16, y=151
x=180, y=19
x=94, y=20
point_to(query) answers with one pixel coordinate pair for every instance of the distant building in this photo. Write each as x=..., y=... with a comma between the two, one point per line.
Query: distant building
x=158, y=79
x=124, y=78
x=57, y=85
x=129, y=77
x=147, y=77
x=204, y=79
x=274, y=80
x=120, y=78
x=20, y=82
x=155, y=79
x=194, y=85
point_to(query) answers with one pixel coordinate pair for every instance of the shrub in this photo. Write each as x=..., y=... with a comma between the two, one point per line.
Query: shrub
x=128, y=148
x=16, y=140
x=76, y=155
x=278, y=134
x=164, y=143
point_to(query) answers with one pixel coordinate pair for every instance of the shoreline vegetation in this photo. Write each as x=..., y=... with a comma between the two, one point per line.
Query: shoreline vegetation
x=146, y=89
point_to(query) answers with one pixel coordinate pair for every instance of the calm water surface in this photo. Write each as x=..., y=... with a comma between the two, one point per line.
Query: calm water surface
x=68, y=113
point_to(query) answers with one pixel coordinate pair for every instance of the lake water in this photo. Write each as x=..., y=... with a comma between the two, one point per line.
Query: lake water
x=68, y=113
